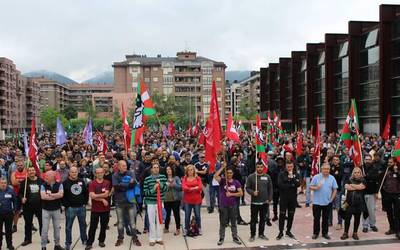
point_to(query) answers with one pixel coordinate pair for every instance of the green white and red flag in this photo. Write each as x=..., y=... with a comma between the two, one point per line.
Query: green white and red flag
x=350, y=135
x=260, y=144
x=396, y=152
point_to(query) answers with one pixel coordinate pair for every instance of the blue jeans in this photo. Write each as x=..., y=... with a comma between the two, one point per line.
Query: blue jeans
x=122, y=210
x=308, y=190
x=188, y=213
x=214, y=194
x=336, y=204
x=70, y=214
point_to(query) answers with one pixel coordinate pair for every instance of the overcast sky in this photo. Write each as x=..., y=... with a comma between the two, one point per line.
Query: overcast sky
x=82, y=38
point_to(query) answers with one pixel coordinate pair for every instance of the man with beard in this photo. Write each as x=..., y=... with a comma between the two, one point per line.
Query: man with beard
x=31, y=203
x=259, y=186
x=370, y=193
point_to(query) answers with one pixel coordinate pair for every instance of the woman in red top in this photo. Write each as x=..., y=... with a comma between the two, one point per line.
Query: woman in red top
x=192, y=187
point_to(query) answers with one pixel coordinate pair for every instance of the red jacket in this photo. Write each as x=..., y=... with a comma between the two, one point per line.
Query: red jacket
x=192, y=196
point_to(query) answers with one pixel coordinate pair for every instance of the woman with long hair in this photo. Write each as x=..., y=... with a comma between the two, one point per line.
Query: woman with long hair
x=354, y=201
x=173, y=198
x=192, y=188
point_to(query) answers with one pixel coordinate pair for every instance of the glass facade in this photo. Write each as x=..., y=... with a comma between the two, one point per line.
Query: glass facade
x=395, y=75
x=319, y=89
x=368, y=109
x=276, y=92
x=341, y=83
x=302, y=94
x=289, y=93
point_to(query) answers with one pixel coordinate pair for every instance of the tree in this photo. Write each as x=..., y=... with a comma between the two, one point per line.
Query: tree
x=247, y=109
x=49, y=116
x=70, y=112
x=89, y=109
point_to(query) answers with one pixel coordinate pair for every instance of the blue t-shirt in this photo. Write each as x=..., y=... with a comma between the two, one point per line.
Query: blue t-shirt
x=323, y=195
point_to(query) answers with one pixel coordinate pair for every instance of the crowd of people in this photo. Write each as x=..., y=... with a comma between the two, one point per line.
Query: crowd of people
x=75, y=177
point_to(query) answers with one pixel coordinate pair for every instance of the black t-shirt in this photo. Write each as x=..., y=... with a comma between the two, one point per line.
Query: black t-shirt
x=32, y=192
x=201, y=167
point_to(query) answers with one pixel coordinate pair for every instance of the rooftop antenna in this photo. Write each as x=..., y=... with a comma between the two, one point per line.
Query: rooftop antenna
x=187, y=46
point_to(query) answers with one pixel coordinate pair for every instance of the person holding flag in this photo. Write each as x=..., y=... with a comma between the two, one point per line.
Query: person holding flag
x=259, y=186
x=154, y=189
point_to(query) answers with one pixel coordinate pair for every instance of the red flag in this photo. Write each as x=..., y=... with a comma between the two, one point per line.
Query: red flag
x=396, y=152
x=33, y=148
x=159, y=206
x=214, y=127
x=386, y=131
x=210, y=154
x=189, y=130
x=317, y=151
x=127, y=130
x=196, y=128
x=171, y=129
x=202, y=138
x=102, y=143
x=299, y=143
x=231, y=132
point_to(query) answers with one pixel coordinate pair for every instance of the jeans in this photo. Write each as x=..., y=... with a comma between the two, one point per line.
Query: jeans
x=55, y=216
x=337, y=203
x=317, y=211
x=29, y=212
x=104, y=218
x=7, y=220
x=155, y=231
x=70, y=214
x=188, y=213
x=308, y=191
x=227, y=215
x=172, y=206
x=206, y=191
x=255, y=211
x=214, y=194
x=130, y=210
x=370, y=202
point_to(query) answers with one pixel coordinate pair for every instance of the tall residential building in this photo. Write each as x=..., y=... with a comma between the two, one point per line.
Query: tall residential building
x=187, y=76
x=17, y=97
x=250, y=91
x=320, y=81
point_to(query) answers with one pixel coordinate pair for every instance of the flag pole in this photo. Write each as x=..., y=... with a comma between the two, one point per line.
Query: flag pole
x=255, y=161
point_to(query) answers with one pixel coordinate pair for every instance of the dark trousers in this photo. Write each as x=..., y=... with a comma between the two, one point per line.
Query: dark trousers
x=237, y=207
x=227, y=215
x=7, y=220
x=391, y=203
x=317, y=212
x=275, y=199
x=289, y=206
x=29, y=212
x=174, y=207
x=255, y=212
x=357, y=217
x=104, y=217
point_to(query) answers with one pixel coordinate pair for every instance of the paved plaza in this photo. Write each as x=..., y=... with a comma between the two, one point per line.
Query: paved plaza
x=302, y=229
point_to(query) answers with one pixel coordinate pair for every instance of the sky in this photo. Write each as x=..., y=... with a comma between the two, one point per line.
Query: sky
x=82, y=38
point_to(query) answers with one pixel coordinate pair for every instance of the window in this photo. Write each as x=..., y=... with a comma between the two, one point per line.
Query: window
x=155, y=68
x=373, y=55
x=321, y=59
x=218, y=79
x=343, y=49
x=372, y=39
x=146, y=69
x=155, y=79
x=146, y=79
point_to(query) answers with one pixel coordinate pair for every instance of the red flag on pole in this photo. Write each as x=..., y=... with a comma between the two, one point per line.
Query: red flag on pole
x=386, y=131
x=299, y=143
x=213, y=136
x=231, y=131
x=127, y=130
x=33, y=148
x=102, y=143
x=159, y=206
x=317, y=151
x=171, y=129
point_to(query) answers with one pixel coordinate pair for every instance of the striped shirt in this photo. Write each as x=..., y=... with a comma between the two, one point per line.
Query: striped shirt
x=150, y=193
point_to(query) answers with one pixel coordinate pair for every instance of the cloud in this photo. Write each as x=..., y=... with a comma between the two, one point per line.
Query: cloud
x=82, y=38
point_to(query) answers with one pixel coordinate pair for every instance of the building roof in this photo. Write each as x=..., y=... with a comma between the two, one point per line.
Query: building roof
x=150, y=61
